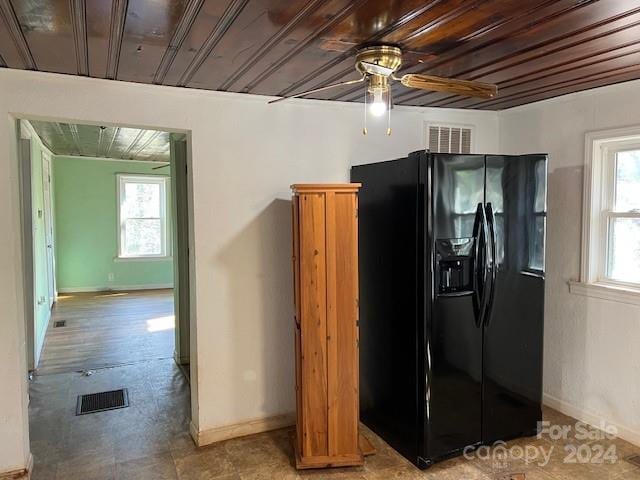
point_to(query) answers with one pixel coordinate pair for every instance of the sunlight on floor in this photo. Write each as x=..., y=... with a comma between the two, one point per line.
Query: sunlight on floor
x=160, y=323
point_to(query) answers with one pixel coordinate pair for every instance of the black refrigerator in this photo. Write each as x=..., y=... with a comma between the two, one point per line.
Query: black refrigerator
x=451, y=300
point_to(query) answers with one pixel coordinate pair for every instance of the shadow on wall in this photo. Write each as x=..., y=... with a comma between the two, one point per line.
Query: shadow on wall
x=261, y=360
x=565, y=314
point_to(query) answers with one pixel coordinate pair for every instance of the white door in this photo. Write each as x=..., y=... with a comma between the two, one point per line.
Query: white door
x=48, y=226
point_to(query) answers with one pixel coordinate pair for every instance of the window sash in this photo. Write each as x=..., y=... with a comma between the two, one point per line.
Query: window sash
x=608, y=212
x=161, y=181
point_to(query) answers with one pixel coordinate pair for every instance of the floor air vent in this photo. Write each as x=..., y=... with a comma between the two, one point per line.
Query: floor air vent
x=633, y=459
x=99, y=402
x=59, y=323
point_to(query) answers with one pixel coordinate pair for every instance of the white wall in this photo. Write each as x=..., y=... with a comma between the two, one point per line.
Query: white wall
x=245, y=154
x=592, y=358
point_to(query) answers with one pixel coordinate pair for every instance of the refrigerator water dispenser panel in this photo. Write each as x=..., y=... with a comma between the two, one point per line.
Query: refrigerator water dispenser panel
x=454, y=271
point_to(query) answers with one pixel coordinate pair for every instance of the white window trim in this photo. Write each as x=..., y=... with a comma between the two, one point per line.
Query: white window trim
x=161, y=180
x=598, y=173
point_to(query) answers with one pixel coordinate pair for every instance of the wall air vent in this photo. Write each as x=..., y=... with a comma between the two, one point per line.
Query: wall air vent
x=449, y=138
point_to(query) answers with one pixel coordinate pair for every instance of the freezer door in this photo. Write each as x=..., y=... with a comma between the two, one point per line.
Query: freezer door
x=513, y=327
x=454, y=337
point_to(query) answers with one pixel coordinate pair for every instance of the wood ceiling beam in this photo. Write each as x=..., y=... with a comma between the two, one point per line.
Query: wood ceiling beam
x=10, y=18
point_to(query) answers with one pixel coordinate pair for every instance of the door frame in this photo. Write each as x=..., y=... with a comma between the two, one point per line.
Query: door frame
x=26, y=214
x=180, y=227
x=49, y=227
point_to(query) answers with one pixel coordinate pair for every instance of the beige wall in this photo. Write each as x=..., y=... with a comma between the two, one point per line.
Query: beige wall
x=592, y=359
x=244, y=156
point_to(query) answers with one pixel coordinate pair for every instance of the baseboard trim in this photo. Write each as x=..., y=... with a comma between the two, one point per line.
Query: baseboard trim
x=591, y=418
x=250, y=427
x=19, y=474
x=120, y=288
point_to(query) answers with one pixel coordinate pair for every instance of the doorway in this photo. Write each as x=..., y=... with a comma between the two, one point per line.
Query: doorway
x=105, y=228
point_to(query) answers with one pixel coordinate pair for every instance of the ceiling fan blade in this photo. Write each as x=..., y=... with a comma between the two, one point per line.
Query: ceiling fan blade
x=450, y=85
x=321, y=89
x=377, y=69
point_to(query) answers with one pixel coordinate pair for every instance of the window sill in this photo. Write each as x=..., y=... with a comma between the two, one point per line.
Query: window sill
x=612, y=293
x=142, y=259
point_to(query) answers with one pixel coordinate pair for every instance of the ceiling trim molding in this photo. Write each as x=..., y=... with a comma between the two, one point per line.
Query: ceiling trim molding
x=234, y=9
x=15, y=30
x=79, y=23
x=116, y=33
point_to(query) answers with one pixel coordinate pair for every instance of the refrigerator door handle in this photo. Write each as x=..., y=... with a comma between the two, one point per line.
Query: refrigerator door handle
x=479, y=281
x=491, y=263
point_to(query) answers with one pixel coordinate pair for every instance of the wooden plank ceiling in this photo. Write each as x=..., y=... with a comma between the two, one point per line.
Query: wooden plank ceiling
x=533, y=49
x=104, y=141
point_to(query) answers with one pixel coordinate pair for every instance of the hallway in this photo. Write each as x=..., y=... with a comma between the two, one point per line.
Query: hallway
x=105, y=329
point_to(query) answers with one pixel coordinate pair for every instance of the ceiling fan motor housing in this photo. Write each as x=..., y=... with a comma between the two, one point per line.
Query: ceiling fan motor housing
x=383, y=55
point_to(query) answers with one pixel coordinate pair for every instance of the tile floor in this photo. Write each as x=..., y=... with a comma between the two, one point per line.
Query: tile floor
x=150, y=441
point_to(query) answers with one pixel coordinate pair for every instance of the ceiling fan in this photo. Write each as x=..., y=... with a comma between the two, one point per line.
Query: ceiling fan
x=377, y=65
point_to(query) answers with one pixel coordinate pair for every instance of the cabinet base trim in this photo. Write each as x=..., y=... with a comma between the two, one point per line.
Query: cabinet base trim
x=242, y=429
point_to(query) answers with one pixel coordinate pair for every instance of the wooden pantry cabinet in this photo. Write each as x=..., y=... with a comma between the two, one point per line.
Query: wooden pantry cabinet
x=325, y=265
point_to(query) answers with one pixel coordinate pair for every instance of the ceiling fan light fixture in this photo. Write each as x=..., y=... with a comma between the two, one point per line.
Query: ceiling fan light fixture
x=379, y=90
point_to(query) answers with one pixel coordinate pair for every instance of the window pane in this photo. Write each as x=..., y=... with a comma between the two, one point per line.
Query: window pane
x=143, y=237
x=624, y=250
x=627, y=181
x=142, y=200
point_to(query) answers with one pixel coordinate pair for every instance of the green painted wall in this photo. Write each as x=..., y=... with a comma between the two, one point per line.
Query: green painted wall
x=42, y=312
x=86, y=228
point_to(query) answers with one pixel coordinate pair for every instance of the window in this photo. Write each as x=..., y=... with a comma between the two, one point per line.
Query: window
x=142, y=212
x=611, y=222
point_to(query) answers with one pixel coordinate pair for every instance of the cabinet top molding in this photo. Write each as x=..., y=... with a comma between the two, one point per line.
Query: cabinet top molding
x=323, y=187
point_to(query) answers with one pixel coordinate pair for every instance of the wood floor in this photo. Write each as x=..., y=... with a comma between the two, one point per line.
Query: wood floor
x=108, y=328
